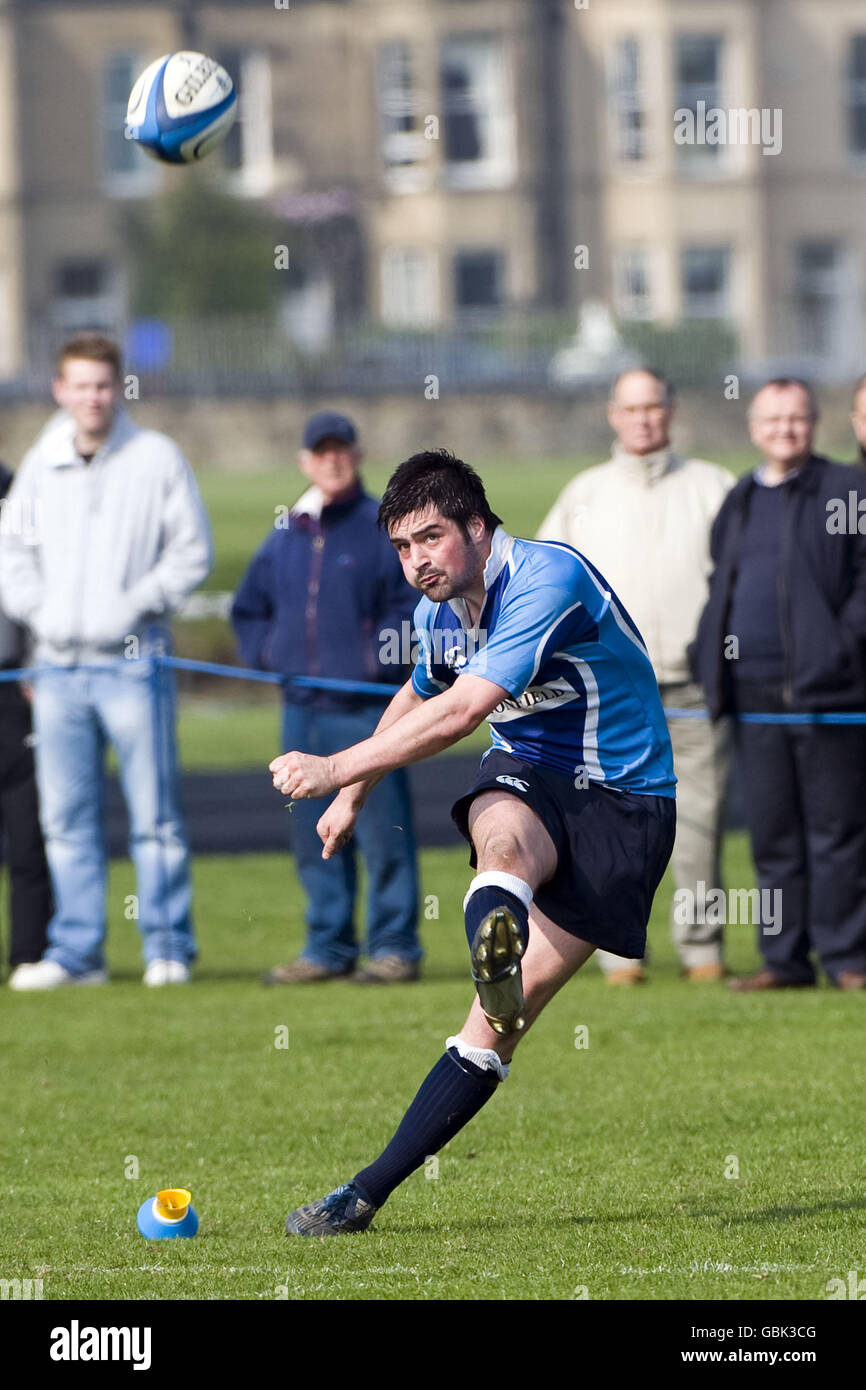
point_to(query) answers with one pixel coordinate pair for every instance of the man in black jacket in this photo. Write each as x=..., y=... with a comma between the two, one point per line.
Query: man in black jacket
x=30, y=885
x=784, y=633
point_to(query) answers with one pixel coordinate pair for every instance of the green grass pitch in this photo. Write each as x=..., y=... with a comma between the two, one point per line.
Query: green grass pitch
x=595, y=1171
x=242, y=505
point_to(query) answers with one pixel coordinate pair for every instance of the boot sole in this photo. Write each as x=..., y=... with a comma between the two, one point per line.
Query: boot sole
x=496, y=972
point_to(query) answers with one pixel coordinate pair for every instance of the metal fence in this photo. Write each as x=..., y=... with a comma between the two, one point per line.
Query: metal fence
x=255, y=356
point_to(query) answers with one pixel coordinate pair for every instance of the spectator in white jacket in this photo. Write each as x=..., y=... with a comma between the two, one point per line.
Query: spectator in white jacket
x=644, y=519
x=113, y=537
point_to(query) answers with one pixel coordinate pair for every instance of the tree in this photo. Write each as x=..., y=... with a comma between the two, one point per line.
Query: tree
x=197, y=252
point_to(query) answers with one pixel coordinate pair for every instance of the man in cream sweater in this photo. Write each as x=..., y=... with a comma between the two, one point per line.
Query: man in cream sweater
x=643, y=518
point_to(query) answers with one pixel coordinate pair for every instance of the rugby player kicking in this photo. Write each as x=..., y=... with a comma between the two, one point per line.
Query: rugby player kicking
x=571, y=817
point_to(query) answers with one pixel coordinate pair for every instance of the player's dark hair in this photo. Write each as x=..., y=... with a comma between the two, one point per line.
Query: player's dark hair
x=437, y=479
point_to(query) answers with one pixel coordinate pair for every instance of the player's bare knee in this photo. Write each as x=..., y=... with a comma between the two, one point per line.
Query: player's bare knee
x=500, y=849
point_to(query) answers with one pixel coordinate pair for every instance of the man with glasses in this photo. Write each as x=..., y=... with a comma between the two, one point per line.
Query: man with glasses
x=644, y=519
x=784, y=633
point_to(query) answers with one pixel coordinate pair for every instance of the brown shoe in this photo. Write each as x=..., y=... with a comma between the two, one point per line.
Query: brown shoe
x=302, y=972
x=713, y=971
x=388, y=970
x=632, y=975
x=851, y=979
x=765, y=979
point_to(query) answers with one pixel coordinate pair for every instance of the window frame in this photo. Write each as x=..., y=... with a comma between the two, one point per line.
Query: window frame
x=856, y=155
x=498, y=258
x=497, y=166
x=622, y=101
x=143, y=177
x=412, y=173
x=701, y=161
x=254, y=122
x=623, y=301
x=427, y=260
x=727, y=257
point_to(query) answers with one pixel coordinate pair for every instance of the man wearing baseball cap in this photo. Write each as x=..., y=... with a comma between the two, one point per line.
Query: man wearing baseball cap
x=325, y=597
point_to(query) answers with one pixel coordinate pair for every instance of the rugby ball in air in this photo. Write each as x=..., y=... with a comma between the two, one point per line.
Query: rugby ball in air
x=181, y=107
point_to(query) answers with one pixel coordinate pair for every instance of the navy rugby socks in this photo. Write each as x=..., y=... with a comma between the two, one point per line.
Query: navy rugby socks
x=490, y=890
x=449, y=1096
x=464, y=1079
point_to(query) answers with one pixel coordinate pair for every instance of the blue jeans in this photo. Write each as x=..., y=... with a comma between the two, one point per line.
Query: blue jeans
x=76, y=711
x=384, y=835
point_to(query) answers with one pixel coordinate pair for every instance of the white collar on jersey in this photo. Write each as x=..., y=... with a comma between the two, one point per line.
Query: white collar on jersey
x=500, y=549
x=501, y=545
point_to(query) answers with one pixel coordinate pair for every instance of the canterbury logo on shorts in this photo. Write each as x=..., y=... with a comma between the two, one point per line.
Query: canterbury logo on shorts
x=513, y=782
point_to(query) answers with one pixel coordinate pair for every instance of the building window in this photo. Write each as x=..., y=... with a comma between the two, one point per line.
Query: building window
x=409, y=287
x=86, y=294
x=699, y=90
x=478, y=280
x=705, y=282
x=625, y=101
x=248, y=150
x=631, y=284
x=857, y=95
x=83, y=279
x=404, y=147
x=477, y=114
x=819, y=295
x=126, y=169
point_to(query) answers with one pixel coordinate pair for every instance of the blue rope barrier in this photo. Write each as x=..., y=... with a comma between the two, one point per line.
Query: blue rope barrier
x=306, y=682
x=793, y=718
x=213, y=668
x=801, y=718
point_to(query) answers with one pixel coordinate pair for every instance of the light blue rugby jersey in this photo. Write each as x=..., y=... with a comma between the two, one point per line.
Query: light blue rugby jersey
x=583, y=695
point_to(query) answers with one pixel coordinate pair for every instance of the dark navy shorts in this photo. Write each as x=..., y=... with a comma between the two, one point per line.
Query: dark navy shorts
x=612, y=849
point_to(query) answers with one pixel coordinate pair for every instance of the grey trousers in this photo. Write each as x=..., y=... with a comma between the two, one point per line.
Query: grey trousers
x=702, y=756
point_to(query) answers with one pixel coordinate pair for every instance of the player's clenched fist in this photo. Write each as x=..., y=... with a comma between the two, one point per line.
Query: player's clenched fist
x=300, y=775
x=335, y=827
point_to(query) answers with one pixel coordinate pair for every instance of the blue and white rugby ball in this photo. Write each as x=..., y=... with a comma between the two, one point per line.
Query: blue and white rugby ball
x=181, y=107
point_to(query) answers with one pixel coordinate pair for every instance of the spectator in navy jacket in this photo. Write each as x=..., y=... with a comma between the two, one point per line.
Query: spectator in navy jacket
x=784, y=632
x=325, y=597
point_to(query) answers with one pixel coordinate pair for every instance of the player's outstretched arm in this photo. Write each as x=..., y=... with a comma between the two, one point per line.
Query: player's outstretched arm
x=424, y=729
x=337, y=824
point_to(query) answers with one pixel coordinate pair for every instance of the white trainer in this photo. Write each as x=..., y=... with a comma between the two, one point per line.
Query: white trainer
x=48, y=974
x=166, y=972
